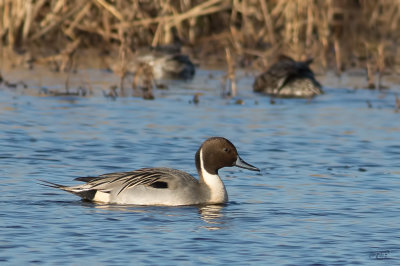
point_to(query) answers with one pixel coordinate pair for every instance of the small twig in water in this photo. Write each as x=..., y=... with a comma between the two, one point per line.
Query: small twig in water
x=397, y=110
x=230, y=77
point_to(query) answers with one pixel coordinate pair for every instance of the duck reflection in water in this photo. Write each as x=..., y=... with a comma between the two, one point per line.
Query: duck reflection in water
x=212, y=215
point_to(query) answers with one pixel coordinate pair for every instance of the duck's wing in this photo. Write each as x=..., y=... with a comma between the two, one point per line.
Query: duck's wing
x=288, y=70
x=304, y=71
x=179, y=66
x=277, y=76
x=121, y=181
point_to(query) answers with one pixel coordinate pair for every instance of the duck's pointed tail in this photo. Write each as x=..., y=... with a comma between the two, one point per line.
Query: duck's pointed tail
x=86, y=194
x=53, y=185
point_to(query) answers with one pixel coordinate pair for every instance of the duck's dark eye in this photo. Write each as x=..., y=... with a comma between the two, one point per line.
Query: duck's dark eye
x=226, y=150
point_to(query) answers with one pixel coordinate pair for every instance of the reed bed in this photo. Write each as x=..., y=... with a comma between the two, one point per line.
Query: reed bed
x=338, y=34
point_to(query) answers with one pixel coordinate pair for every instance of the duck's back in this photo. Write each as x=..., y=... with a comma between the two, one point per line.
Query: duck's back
x=154, y=186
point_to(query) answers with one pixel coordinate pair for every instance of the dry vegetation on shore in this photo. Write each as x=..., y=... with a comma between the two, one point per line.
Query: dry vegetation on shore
x=338, y=33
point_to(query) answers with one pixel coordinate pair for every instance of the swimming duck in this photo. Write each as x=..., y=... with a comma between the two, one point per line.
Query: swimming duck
x=165, y=186
x=288, y=78
x=167, y=63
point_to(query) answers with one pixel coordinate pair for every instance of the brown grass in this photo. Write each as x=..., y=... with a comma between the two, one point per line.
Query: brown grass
x=338, y=33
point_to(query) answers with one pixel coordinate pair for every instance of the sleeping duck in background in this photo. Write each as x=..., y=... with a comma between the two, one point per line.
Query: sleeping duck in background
x=167, y=62
x=288, y=78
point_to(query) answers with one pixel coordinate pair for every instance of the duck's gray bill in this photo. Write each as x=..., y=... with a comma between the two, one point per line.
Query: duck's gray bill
x=242, y=164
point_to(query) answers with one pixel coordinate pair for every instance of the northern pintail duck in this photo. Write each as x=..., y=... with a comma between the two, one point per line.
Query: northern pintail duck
x=288, y=78
x=165, y=186
x=167, y=62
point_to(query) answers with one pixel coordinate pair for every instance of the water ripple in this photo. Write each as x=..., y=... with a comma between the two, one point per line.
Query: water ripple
x=327, y=193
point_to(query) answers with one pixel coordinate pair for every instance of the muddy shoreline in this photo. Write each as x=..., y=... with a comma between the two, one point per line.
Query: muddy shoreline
x=41, y=81
x=95, y=73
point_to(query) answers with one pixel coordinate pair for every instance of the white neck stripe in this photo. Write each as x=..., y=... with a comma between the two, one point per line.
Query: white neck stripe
x=202, y=169
x=217, y=188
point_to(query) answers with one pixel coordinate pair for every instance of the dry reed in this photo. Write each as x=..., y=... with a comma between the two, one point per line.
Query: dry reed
x=340, y=34
x=229, y=80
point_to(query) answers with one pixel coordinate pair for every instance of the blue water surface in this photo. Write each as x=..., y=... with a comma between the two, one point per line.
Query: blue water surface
x=327, y=194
